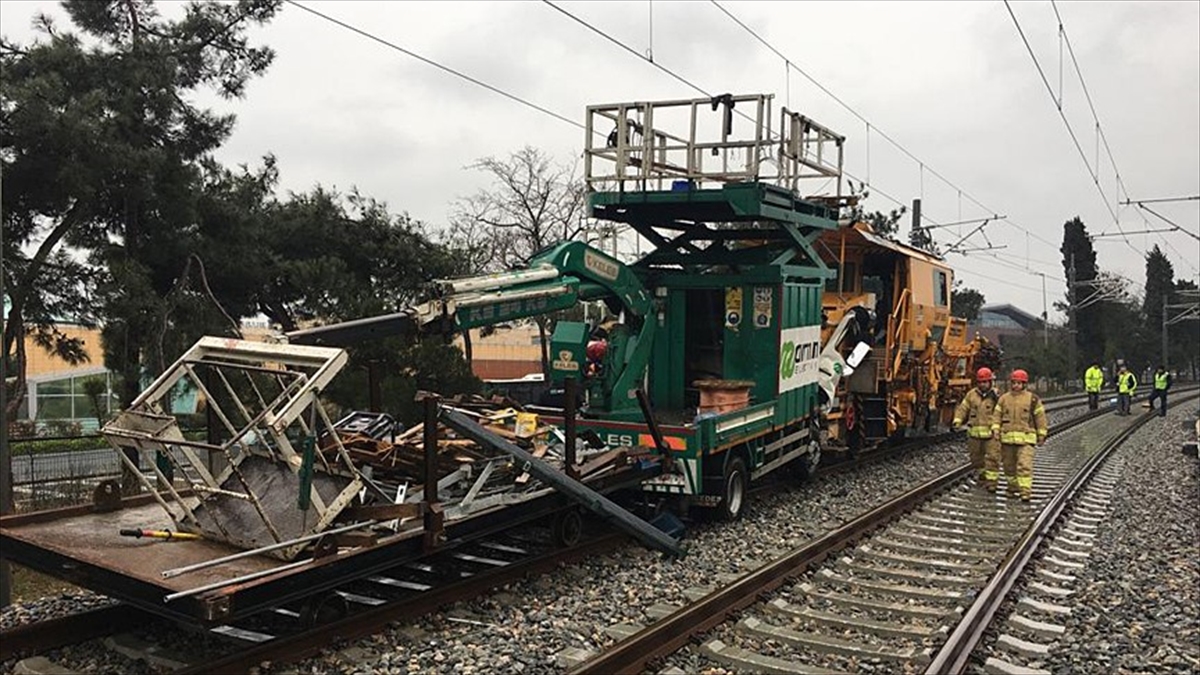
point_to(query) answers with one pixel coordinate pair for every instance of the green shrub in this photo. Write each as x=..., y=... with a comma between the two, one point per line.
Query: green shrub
x=40, y=446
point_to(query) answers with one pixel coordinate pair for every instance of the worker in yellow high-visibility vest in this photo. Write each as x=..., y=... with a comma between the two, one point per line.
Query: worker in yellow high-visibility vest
x=1019, y=423
x=1162, y=382
x=1093, y=381
x=1126, y=386
x=976, y=411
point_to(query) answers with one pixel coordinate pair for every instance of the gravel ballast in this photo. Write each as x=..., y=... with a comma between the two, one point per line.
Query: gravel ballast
x=1138, y=601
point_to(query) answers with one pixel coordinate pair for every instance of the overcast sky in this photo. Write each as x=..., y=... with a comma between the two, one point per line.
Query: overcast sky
x=953, y=83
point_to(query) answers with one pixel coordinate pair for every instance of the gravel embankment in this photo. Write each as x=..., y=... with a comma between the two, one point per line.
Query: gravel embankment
x=1138, y=600
x=522, y=627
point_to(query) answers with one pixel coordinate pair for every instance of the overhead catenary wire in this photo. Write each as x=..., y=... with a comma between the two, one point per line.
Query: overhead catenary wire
x=514, y=97
x=789, y=63
x=875, y=188
x=546, y=111
x=1103, y=137
x=924, y=167
x=1088, y=96
x=683, y=80
x=439, y=66
x=1093, y=173
x=692, y=85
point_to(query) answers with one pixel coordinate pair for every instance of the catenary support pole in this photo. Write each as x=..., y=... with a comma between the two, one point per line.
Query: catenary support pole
x=1046, y=317
x=6, y=492
x=1164, y=333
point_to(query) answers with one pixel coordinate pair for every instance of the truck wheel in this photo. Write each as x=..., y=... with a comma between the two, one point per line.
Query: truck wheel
x=566, y=527
x=734, y=484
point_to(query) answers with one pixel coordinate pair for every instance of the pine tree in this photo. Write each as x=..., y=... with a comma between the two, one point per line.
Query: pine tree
x=1088, y=325
x=102, y=153
x=1159, y=284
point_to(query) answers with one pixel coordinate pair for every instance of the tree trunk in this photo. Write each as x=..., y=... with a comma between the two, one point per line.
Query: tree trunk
x=468, y=351
x=130, y=388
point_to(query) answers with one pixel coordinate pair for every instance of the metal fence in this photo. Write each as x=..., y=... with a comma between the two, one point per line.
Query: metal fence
x=46, y=480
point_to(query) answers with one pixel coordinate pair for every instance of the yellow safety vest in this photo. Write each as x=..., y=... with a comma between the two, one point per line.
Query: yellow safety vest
x=1160, y=381
x=1093, y=379
x=1127, y=383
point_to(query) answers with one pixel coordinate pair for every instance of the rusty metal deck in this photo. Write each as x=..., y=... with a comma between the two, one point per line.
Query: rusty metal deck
x=84, y=547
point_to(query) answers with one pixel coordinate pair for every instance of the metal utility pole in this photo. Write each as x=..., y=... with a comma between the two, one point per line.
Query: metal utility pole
x=6, y=492
x=1045, y=316
x=1164, y=332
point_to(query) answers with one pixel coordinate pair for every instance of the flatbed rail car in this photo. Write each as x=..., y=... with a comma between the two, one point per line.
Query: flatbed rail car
x=258, y=546
x=80, y=545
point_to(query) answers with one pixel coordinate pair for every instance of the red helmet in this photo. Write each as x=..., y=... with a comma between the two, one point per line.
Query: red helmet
x=1019, y=375
x=984, y=374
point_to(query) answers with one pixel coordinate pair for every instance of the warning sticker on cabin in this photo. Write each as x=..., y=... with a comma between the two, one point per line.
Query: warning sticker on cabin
x=733, y=306
x=763, y=296
x=799, y=355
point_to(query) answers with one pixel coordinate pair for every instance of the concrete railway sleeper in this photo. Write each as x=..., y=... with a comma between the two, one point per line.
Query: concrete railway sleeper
x=912, y=584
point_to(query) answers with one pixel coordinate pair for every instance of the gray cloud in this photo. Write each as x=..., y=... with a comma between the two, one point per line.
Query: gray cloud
x=951, y=81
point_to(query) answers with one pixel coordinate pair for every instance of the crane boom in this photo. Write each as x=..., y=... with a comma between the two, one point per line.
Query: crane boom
x=557, y=278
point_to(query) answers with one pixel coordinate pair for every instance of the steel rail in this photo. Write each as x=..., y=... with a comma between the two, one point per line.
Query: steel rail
x=673, y=632
x=33, y=638
x=955, y=653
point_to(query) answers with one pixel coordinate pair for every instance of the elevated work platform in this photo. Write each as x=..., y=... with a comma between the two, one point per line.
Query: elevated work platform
x=724, y=139
x=711, y=185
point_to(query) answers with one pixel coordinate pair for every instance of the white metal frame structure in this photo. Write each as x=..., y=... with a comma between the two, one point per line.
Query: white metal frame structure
x=266, y=399
x=643, y=152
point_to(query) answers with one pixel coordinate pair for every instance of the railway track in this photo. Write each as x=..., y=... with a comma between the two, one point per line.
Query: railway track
x=912, y=585
x=356, y=609
x=360, y=608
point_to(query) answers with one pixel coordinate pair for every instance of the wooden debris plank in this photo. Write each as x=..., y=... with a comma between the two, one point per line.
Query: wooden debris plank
x=411, y=432
x=601, y=460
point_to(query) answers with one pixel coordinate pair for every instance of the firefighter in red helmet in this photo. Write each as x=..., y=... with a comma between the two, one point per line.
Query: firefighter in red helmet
x=1019, y=423
x=975, y=410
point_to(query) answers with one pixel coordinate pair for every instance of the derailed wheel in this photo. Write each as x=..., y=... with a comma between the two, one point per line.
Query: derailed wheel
x=806, y=464
x=734, y=483
x=566, y=527
x=323, y=608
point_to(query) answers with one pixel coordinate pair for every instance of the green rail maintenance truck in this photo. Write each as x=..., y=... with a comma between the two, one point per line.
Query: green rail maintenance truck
x=716, y=328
